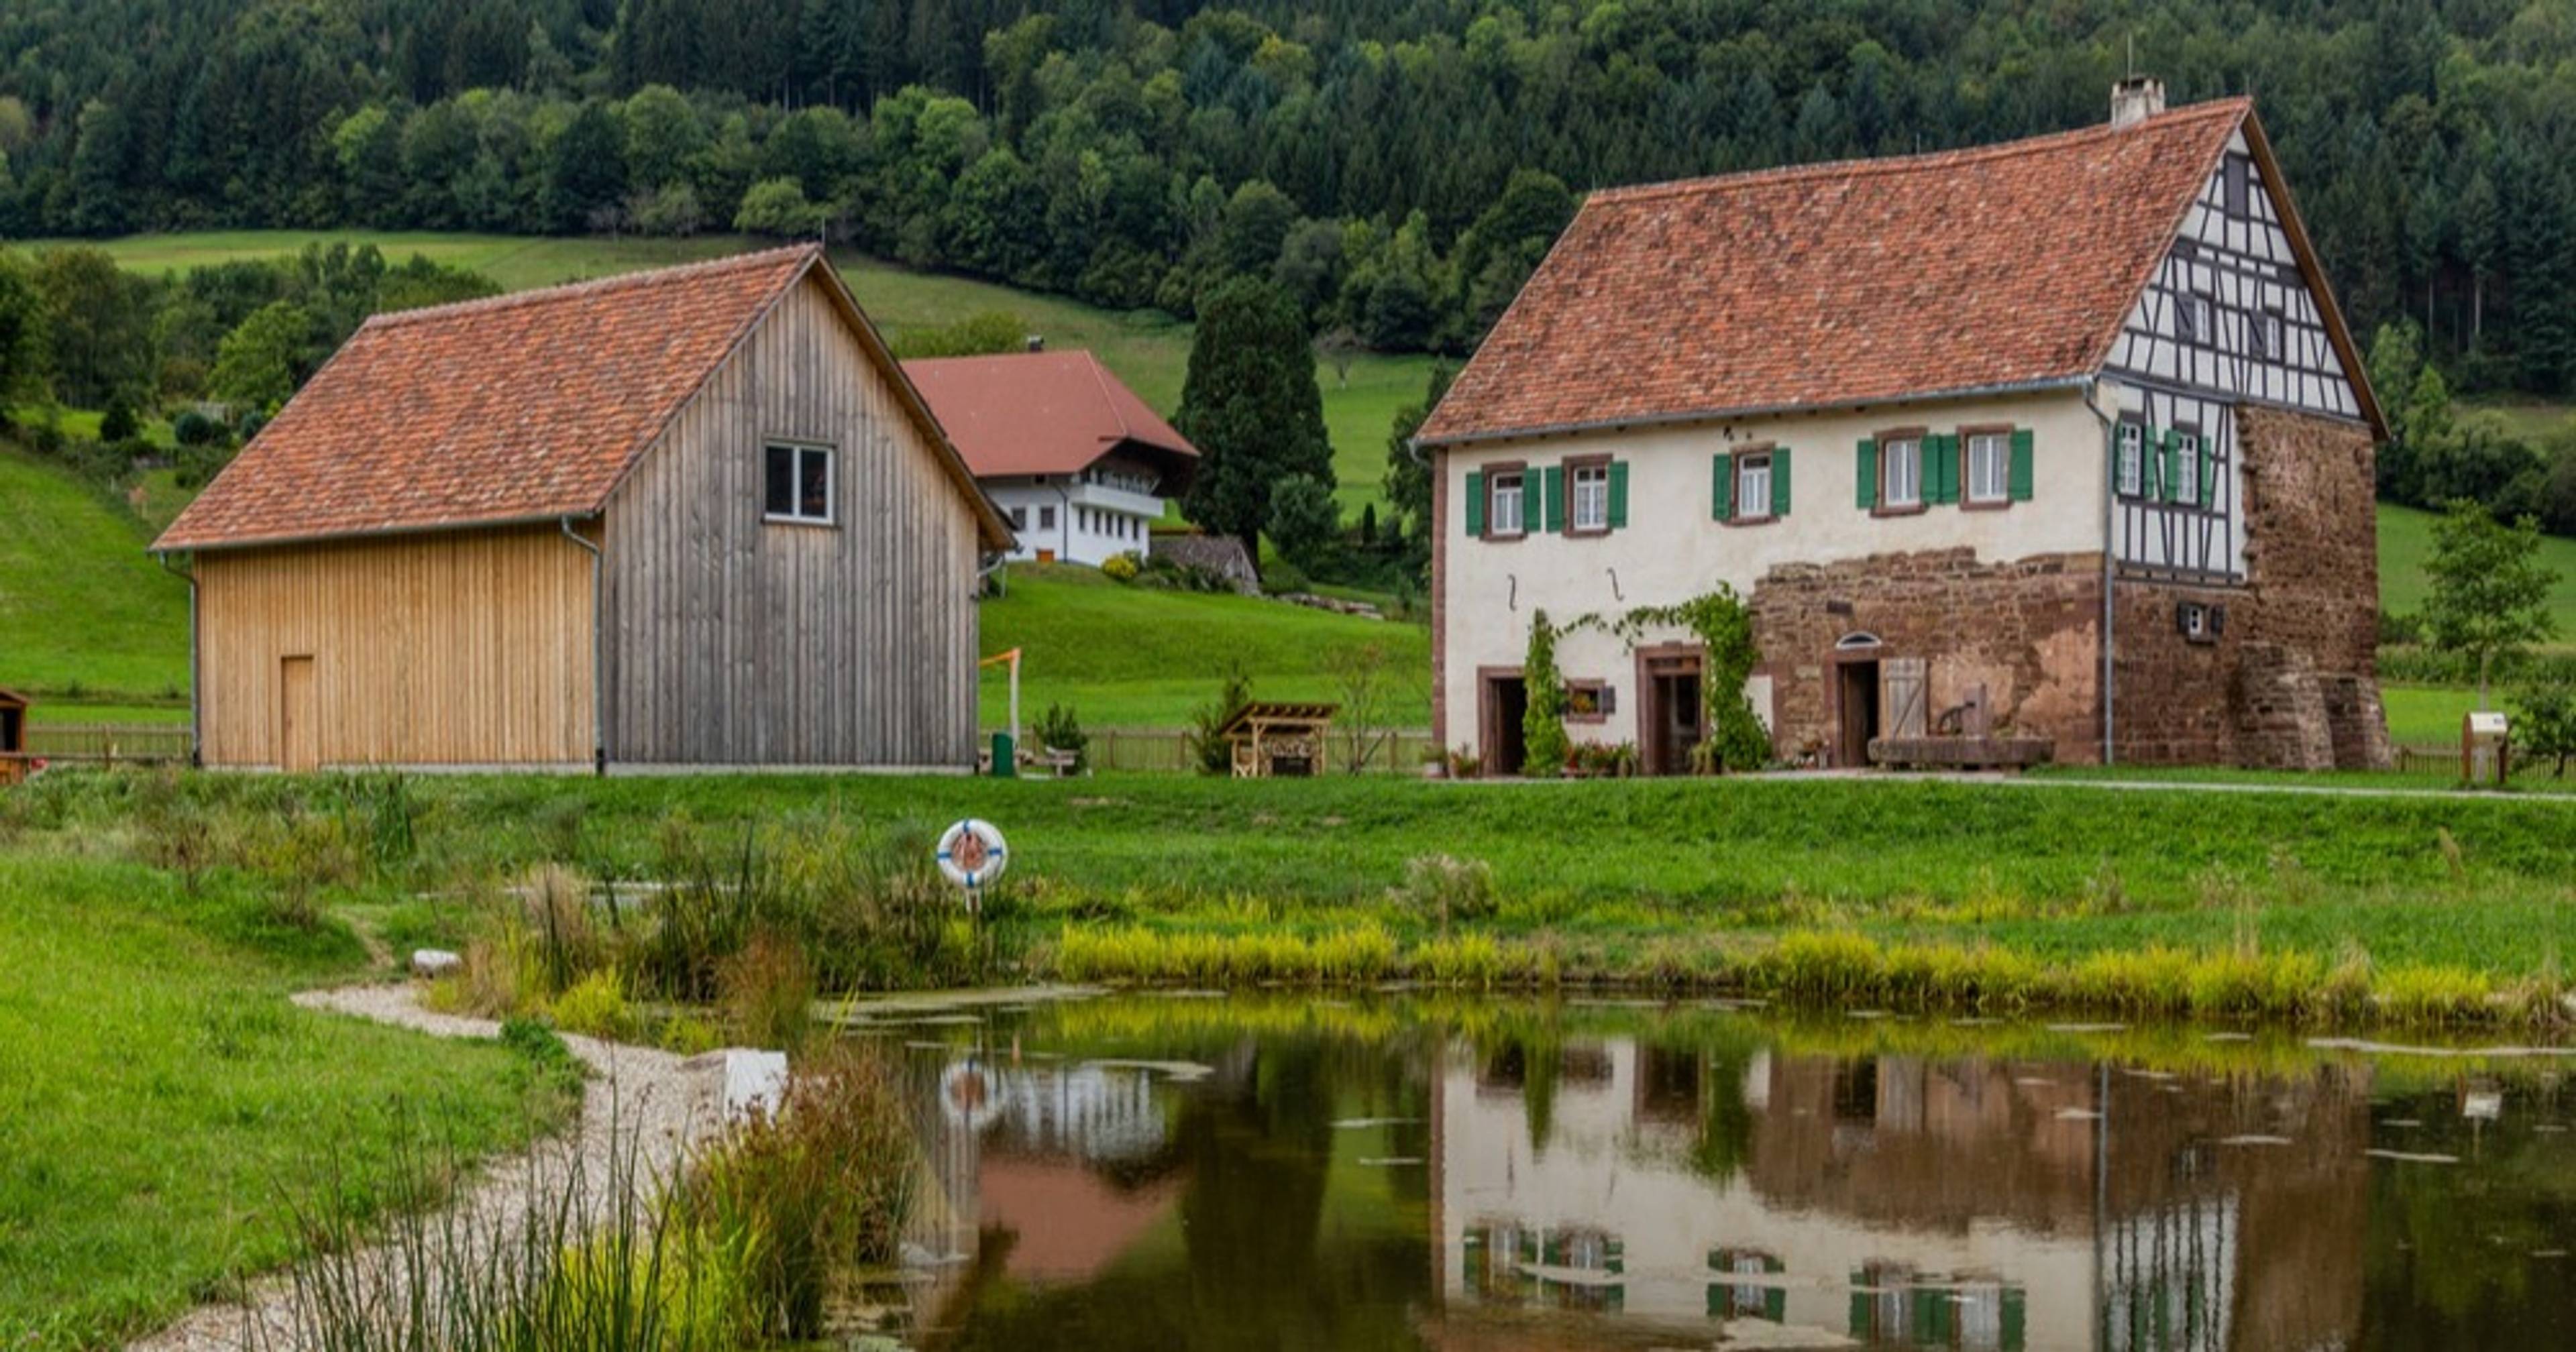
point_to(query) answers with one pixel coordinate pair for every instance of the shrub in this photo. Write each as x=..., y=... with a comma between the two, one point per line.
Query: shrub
x=200, y=462
x=1283, y=578
x=1121, y=567
x=596, y=1005
x=1444, y=889
x=1215, y=754
x=193, y=428
x=1059, y=729
x=118, y=423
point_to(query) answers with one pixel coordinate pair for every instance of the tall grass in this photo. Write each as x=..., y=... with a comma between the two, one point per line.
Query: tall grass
x=743, y=1249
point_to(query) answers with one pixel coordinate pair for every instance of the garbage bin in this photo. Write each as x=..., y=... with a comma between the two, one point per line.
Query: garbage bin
x=1006, y=756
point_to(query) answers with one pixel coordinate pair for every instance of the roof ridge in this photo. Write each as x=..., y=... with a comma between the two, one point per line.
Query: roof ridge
x=1924, y=161
x=1100, y=382
x=561, y=291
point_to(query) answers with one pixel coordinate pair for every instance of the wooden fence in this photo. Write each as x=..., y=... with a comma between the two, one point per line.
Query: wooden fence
x=109, y=743
x=1169, y=750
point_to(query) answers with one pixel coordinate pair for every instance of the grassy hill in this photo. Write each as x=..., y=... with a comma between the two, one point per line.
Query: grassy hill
x=81, y=607
x=2406, y=541
x=1126, y=656
x=1146, y=348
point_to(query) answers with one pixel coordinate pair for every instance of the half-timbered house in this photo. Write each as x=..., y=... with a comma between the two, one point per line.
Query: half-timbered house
x=688, y=517
x=2057, y=443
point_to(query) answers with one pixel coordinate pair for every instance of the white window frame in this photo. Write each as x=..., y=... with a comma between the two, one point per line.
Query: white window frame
x=1512, y=488
x=1753, y=503
x=801, y=453
x=2187, y=487
x=2132, y=458
x=1999, y=468
x=1900, y=475
x=1589, y=488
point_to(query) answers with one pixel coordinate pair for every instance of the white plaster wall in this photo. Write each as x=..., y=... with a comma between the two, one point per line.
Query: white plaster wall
x=1071, y=541
x=1671, y=549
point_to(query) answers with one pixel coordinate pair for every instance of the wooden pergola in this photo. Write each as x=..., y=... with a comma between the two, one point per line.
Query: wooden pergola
x=1273, y=738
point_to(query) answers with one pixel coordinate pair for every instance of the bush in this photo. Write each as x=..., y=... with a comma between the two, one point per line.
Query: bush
x=1215, y=753
x=777, y=206
x=119, y=422
x=1446, y=889
x=1059, y=729
x=1284, y=579
x=1121, y=567
x=2544, y=725
x=199, y=463
x=193, y=428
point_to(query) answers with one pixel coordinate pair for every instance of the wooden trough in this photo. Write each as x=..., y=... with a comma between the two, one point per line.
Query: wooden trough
x=1989, y=752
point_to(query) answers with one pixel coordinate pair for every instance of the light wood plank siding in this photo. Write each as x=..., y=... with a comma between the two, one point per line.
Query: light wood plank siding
x=737, y=641
x=467, y=648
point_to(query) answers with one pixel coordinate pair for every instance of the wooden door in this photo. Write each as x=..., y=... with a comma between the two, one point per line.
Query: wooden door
x=1857, y=718
x=298, y=716
x=1907, y=687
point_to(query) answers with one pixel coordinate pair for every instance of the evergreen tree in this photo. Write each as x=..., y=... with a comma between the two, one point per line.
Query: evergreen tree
x=1250, y=404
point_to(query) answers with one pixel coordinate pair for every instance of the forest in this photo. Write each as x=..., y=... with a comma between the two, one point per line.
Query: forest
x=1398, y=167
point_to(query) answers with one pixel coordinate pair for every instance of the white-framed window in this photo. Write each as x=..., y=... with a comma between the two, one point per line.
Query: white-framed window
x=797, y=483
x=1590, y=488
x=2133, y=459
x=1753, y=486
x=2263, y=334
x=1989, y=466
x=1900, y=472
x=1503, y=515
x=2186, y=484
x=1046, y=518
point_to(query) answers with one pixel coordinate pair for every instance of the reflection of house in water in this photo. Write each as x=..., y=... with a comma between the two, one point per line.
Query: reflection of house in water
x=1970, y=1203
x=1067, y=1165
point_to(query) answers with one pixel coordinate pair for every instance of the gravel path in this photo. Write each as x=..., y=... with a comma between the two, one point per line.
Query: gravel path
x=658, y=1105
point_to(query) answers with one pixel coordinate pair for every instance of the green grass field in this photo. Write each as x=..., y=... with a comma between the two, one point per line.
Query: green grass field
x=1132, y=657
x=2520, y=416
x=164, y=1105
x=82, y=609
x=1146, y=348
x=2406, y=542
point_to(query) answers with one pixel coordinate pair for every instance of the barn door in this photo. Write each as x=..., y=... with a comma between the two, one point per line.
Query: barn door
x=298, y=717
x=1903, y=686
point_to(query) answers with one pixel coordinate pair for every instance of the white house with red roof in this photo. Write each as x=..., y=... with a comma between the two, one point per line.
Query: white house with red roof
x=2055, y=447
x=1079, y=464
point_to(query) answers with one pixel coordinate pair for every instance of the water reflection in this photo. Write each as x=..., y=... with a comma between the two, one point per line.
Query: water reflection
x=1140, y=1174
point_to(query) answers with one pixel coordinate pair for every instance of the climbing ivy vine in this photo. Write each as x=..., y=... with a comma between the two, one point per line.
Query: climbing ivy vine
x=1544, y=745
x=1724, y=628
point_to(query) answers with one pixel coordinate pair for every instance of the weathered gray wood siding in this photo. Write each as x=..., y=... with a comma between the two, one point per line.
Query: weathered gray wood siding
x=737, y=641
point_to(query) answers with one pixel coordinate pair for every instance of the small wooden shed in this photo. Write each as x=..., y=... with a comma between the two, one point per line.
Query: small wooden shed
x=13, y=737
x=1272, y=739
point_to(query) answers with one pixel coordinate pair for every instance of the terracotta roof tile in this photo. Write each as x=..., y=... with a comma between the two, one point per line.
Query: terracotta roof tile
x=517, y=407
x=1840, y=284
x=1040, y=412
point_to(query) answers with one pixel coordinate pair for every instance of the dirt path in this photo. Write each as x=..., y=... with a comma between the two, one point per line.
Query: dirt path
x=659, y=1105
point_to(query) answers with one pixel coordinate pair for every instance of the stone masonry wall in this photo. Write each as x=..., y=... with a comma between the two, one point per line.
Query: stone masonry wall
x=2028, y=631
x=2289, y=679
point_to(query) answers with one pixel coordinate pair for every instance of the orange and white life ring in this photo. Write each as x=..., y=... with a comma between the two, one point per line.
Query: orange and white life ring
x=972, y=853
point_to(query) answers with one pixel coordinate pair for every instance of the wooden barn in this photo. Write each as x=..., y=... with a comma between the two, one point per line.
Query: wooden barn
x=694, y=517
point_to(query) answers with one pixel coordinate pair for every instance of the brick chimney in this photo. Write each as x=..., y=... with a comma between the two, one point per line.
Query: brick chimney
x=2136, y=98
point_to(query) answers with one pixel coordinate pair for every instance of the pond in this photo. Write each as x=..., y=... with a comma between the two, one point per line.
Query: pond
x=1167, y=1173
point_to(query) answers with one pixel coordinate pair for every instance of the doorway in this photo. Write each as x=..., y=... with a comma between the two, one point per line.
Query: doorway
x=1504, y=705
x=1857, y=712
x=298, y=733
x=1673, y=709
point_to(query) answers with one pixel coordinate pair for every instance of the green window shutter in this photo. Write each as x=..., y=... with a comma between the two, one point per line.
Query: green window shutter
x=2022, y=448
x=2150, y=463
x=1475, y=504
x=2208, y=474
x=1721, y=501
x=1941, y=468
x=1555, y=477
x=2172, y=478
x=1780, y=481
x=1865, y=474
x=1618, y=495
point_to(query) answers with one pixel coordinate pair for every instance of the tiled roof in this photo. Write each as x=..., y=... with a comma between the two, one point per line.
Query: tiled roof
x=1040, y=412
x=516, y=408
x=1840, y=284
